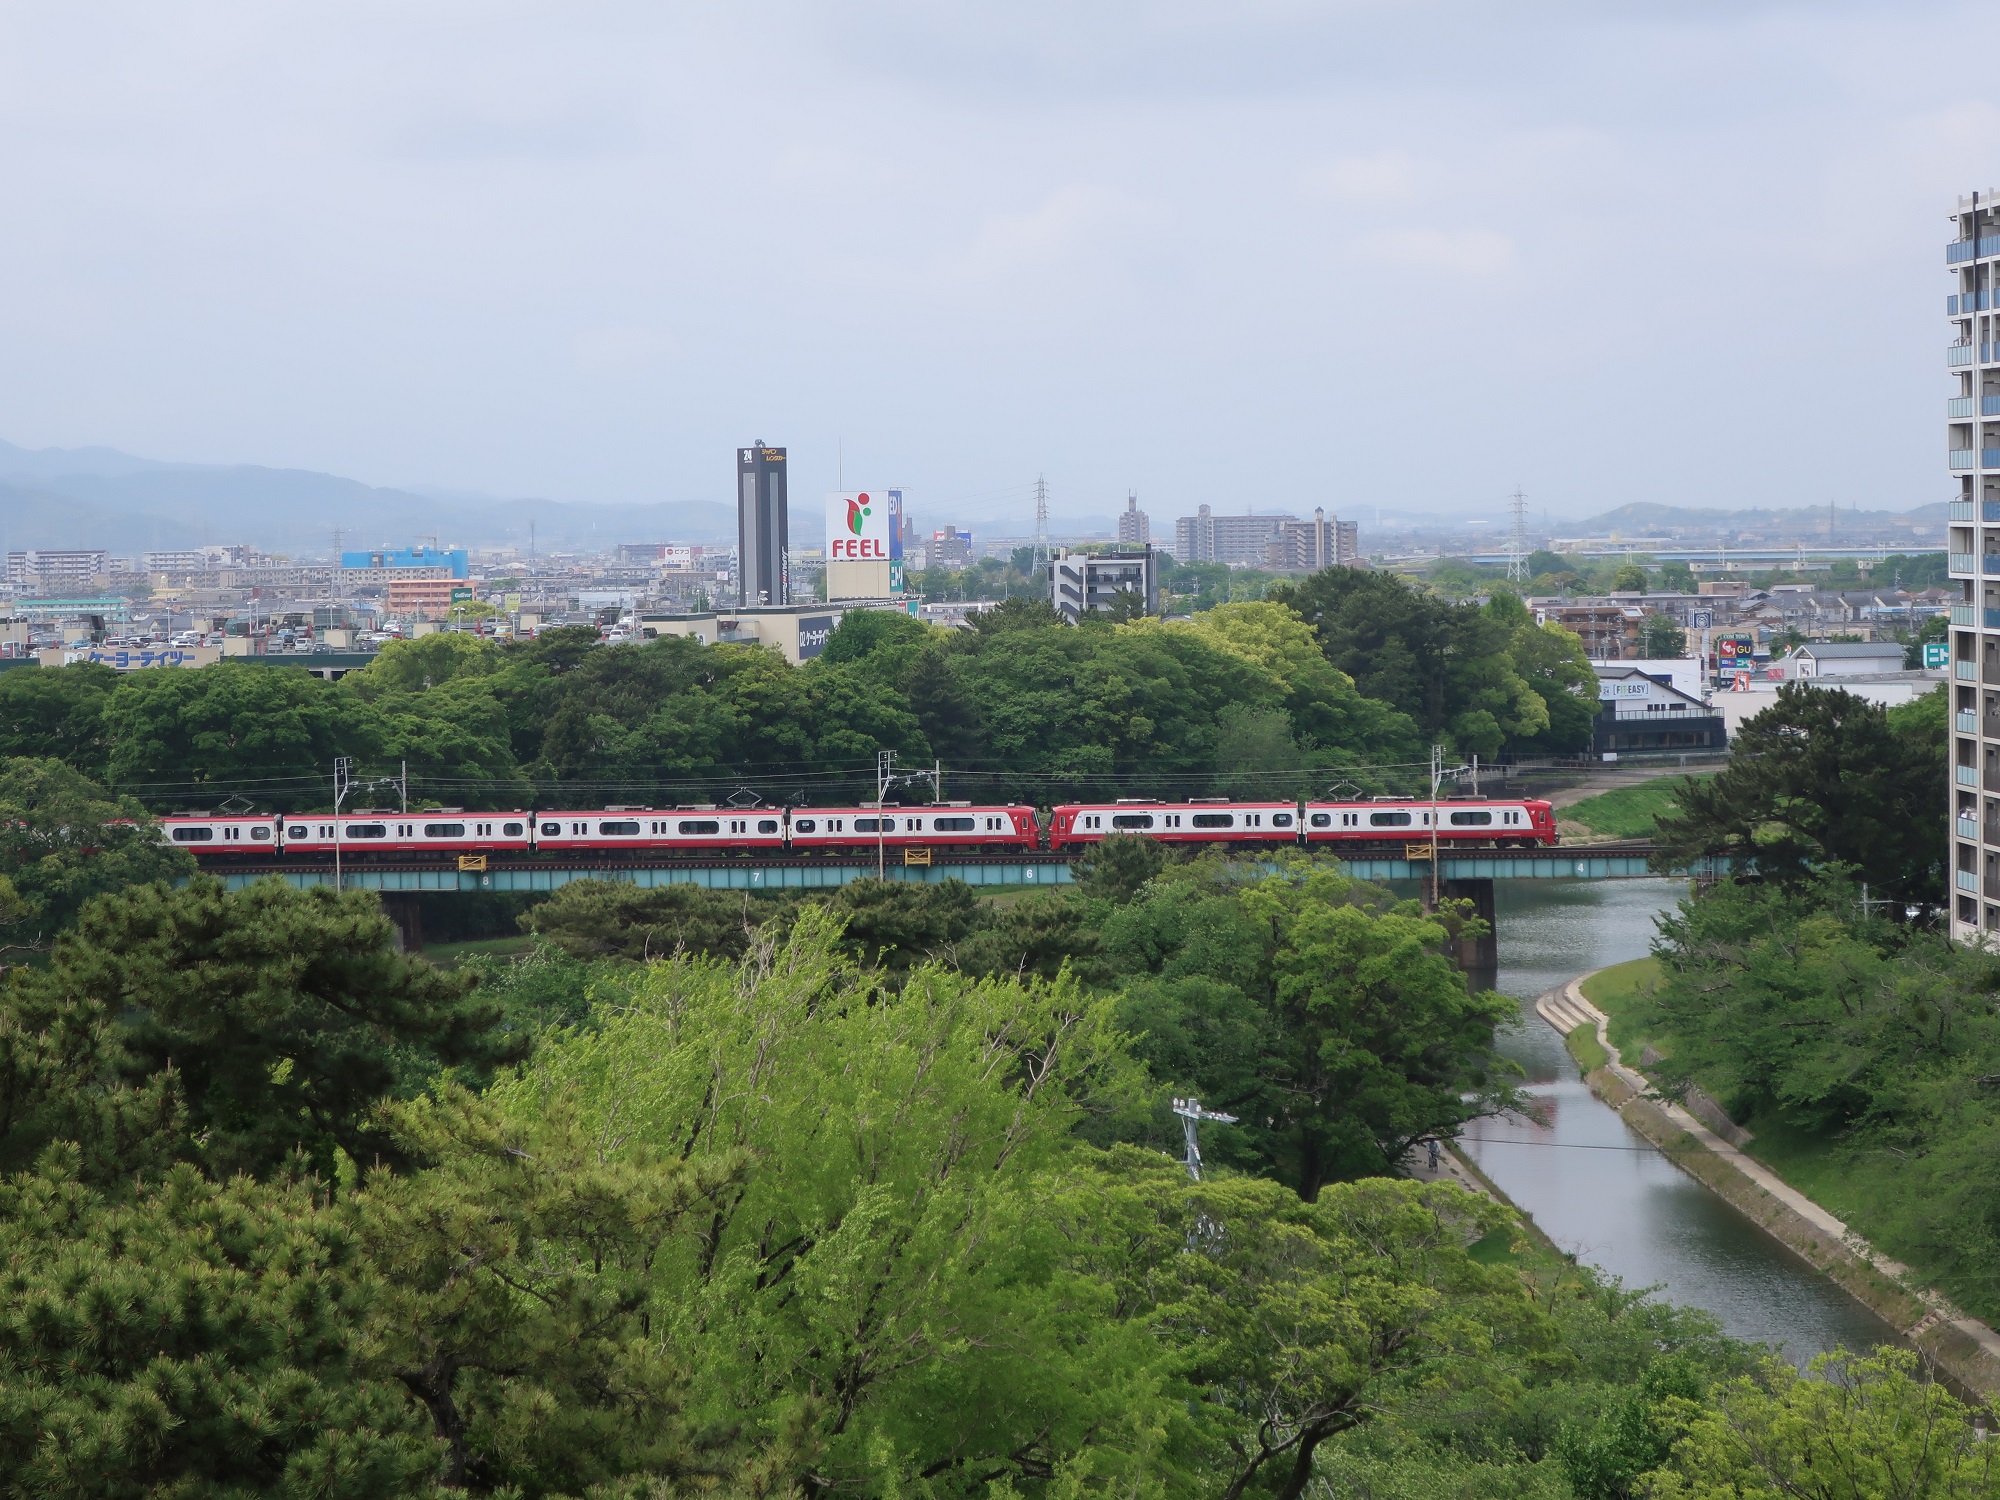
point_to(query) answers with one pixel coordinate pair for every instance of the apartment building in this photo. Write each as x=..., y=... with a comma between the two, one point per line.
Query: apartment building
x=59, y=569
x=1972, y=457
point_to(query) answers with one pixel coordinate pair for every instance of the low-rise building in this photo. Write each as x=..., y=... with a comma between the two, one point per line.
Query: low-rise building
x=1641, y=712
x=1839, y=659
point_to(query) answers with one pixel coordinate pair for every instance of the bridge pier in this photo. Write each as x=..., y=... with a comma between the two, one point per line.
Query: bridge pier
x=1481, y=954
x=405, y=909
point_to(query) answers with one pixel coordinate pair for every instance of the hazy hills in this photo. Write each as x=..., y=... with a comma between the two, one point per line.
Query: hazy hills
x=99, y=497
x=1646, y=519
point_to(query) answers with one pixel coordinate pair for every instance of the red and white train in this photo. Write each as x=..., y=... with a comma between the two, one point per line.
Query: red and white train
x=951, y=826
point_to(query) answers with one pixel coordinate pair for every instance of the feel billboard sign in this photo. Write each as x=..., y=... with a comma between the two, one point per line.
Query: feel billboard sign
x=858, y=526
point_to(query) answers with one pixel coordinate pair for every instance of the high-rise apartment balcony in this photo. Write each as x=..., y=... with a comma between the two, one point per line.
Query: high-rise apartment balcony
x=1959, y=406
x=1968, y=776
x=1964, y=614
x=1966, y=721
x=1991, y=780
x=1962, y=562
x=1967, y=881
x=1957, y=354
x=1965, y=671
x=1959, y=458
x=1989, y=406
x=1957, y=251
x=1961, y=510
x=1965, y=302
x=1968, y=826
x=1989, y=458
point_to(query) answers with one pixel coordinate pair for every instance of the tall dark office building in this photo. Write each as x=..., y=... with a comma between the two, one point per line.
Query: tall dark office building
x=763, y=531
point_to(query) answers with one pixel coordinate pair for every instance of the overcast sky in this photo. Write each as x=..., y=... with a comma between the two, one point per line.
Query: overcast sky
x=1270, y=252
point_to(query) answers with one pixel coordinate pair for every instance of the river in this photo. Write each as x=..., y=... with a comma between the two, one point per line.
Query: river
x=1596, y=1187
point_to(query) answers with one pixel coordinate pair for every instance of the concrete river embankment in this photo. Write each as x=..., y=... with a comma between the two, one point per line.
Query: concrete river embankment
x=1601, y=1190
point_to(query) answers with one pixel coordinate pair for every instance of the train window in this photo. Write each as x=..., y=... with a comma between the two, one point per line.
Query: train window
x=804, y=825
x=868, y=825
x=1131, y=820
x=194, y=835
x=232, y=833
x=551, y=829
x=296, y=831
x=1322, y=820
x=368, y=830
x=767, y=825
x=262, y=835
x=955, y=825
x=1471, y=819
x=1388, y=820
x=1281, y=820
x=444, y=830
x=619, y=825
x=700, y=825
x=1214, y=820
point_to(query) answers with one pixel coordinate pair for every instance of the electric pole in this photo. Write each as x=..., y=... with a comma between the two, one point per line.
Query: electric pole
x=1192, y=1114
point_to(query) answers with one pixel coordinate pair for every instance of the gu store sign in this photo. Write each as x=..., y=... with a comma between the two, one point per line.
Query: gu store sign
x=858, y=526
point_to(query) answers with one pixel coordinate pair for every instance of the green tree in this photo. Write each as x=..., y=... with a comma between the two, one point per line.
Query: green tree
x=601, y=918
x=1629, y=579
x=57, y=713
x=285, y=1014
x=1327, y=1017
x=195, y=1338
x=1820, y=776
x=1116, y=868
x=891, y=924
x=234, y=727
x=1677, y=578
x=862, y=632
x=1851, y=1428
x=1660, y=636
x=63, y=840
x=513, y=1300
x=1447, y=666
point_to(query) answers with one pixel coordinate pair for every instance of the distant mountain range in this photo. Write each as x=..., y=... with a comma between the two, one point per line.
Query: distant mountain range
x=99, y=497
x=1806, y=521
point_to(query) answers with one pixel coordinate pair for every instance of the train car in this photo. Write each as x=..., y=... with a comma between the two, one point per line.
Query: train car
x=1197, y=821
x=679, y=830
x=444, y=830
x=1460, y=821
x=221, y=835
x=946, y=825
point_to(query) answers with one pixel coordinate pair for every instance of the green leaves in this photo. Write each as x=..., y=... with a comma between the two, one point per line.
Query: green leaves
x=63, y=840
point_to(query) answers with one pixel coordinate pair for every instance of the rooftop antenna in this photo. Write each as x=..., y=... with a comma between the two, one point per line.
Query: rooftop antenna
x=1041, y=522
x=1192, y=1114
x=1517, y=541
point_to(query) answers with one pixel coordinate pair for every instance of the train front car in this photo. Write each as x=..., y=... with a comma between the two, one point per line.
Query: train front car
x=1497, y=824
x=646, y=830
x=1195, y=822
x=366, y=835
x=217, y=837
x=946, y=825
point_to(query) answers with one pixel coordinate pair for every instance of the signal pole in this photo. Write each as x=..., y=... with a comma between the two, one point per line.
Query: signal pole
x=343, y=782
x=1192, y=1114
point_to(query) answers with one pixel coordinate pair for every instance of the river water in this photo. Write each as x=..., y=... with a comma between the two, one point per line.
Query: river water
x=1596, y=1187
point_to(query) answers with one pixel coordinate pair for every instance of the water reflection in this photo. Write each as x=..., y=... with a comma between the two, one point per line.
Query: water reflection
x=1596, y=1187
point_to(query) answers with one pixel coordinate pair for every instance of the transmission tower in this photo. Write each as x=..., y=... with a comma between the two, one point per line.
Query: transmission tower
x=1041, y=523
x=1517, y=538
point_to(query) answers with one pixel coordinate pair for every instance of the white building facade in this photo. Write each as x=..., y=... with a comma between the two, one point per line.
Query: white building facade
x=1972, y=455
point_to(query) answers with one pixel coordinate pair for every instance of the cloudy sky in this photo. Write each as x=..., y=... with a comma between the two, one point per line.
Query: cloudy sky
x=1381, y=253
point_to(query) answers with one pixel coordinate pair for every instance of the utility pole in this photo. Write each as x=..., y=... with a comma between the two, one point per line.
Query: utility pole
x=885, y=772
x=1437, y=775
x=343, y=782
x=1192, y=1114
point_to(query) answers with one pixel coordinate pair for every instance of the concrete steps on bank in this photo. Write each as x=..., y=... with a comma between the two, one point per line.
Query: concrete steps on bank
x=1566, y=1009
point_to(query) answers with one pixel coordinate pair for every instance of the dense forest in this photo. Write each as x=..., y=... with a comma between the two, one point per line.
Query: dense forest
x=1346, y=677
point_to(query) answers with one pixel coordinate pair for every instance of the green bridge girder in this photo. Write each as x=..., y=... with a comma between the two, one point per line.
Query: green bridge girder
x=1621, y=863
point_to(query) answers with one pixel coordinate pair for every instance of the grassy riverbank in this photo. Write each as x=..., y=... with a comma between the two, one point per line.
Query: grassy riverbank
x=1861, y=1186
x=1627, y=812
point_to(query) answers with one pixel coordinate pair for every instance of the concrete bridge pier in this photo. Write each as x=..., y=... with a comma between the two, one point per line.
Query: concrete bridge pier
x=1476, y=955
x=405, y=909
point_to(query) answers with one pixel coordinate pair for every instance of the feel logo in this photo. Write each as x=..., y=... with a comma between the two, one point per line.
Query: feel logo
x=858, y=509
